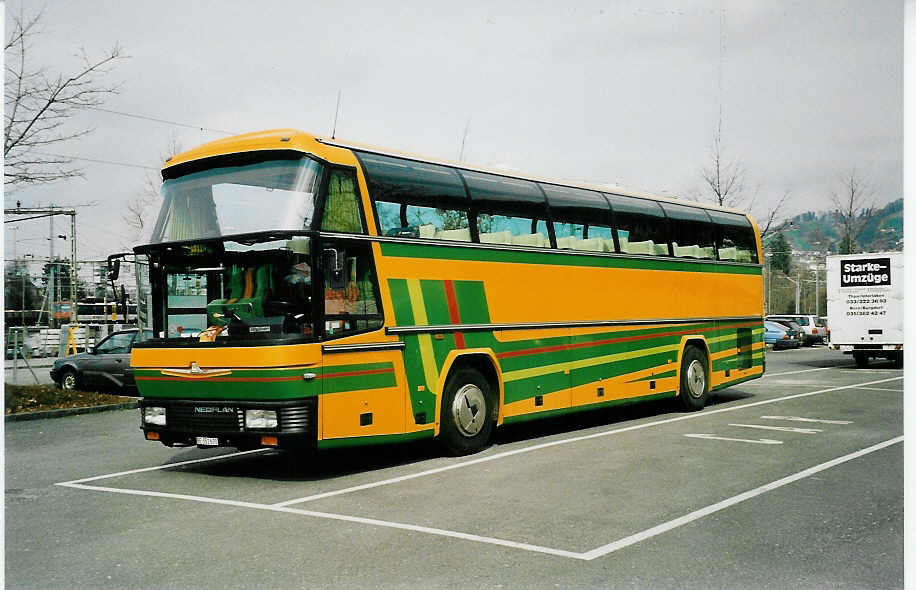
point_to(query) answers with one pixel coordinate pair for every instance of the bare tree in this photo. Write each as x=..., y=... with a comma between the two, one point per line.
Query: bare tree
x=38, y=106
x=725, y=184
x=724, y=178
x=139, y=211
x=853, y=207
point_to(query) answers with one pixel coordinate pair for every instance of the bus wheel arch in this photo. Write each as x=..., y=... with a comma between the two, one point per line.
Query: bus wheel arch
x=469, y=379
x=694, y=371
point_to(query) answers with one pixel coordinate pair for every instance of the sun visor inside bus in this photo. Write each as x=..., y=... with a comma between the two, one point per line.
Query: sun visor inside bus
x=400, y=180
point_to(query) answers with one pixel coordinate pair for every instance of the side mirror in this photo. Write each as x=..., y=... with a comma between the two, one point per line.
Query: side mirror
x=333, y=262
x=114, y=269
x=91, y=350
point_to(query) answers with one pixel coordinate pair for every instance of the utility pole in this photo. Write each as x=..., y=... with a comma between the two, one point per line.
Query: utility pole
x=52, y=270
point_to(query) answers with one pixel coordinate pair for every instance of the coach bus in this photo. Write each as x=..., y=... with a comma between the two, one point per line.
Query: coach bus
x=313, y=292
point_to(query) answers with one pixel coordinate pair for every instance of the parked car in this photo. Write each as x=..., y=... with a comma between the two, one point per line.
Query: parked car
x=823, y=319
x=780, y=336
x=813, y=327
x=795, y=331
x=105, y=367
x=23, y=352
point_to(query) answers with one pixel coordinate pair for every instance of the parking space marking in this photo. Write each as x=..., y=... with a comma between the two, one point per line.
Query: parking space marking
x=759, y=441
x=713, y=508
x=800, y=419
x=158, y=467
x=537, y=447
x=880, y=389
x=585, y=556
x=780, y=428
x=765, y=375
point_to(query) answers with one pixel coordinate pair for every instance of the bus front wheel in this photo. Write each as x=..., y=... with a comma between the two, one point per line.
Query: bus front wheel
x=468, y=412
x=694, y=379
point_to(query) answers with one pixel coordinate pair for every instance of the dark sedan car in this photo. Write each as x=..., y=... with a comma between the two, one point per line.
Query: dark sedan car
x=106, y=367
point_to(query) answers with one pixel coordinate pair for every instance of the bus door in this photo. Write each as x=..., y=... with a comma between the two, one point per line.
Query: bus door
x=361, y=395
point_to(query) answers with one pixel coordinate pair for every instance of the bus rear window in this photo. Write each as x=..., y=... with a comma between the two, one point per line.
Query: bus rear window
x=735, y=237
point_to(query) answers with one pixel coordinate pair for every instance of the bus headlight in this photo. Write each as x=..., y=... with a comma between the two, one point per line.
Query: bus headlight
x=260, y=419
x=154, y=415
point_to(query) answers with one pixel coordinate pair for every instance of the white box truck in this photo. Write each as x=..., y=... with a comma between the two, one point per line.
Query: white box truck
x=865, y=305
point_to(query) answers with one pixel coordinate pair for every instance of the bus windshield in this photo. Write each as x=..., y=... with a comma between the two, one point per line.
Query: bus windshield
x=272, y=194
x=223, y=291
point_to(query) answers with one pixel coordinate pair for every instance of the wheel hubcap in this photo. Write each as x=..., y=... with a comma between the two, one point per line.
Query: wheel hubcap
x=469, y=410
x=69, y=382
x=696, y=378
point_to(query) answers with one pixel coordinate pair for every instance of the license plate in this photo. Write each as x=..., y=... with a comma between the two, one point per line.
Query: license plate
x=208, y=440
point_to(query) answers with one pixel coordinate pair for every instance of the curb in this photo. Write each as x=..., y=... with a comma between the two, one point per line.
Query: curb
x=68, y=412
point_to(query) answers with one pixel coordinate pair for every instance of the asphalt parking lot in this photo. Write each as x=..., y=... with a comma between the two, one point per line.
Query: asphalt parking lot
x=790, y=481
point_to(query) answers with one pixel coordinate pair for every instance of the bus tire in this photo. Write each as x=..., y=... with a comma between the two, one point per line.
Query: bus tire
x=694, y=379
x=467, y=413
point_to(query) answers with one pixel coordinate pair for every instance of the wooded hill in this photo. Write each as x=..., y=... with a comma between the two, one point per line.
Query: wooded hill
x=819, y=231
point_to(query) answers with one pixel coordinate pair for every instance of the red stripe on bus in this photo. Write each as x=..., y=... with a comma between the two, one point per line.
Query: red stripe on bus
x=514, y=353
x=266, y=379
x=240, y=379
x=357, y=373
x=453, y=314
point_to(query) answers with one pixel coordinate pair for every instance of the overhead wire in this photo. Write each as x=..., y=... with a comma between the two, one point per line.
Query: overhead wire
x=158, y=120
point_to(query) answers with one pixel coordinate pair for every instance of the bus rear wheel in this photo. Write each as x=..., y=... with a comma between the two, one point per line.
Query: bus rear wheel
x=468, y=412
x=694, y=379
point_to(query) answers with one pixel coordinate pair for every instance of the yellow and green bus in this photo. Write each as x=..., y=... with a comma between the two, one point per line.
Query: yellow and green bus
x=308, y=292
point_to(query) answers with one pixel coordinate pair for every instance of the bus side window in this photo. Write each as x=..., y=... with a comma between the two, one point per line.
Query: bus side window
x=735, y=237
x=341, y=209
x=509, y=210
x=351, y=303
x=415, y=199
x=641, y=226
x=496, y=228
x=692, y=231
x=581, y=218
x=423, y=222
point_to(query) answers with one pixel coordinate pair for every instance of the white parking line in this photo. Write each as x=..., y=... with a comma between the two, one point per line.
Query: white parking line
x=586, y=556
x=697, y=514
x=780, y=428
x=765, y=375
x=880, y=389
x=158, y=467
x=589, y=555
x=565, y=441
x=800, y=419
x=332, y=516
x=756, y=441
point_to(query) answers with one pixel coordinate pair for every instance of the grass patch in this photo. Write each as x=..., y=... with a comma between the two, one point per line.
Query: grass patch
x=36, y=398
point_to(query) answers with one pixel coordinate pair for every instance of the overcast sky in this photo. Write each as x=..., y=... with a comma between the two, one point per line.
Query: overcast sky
x=627, y=93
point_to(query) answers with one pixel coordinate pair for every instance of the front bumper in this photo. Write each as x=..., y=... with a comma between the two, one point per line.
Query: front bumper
x=223, y=422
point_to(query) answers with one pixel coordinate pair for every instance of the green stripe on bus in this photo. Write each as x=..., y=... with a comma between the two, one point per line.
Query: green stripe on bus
x=446, y=252
x=400, y=299
x=593, y=406
x=378, y=439
x=665, y=375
